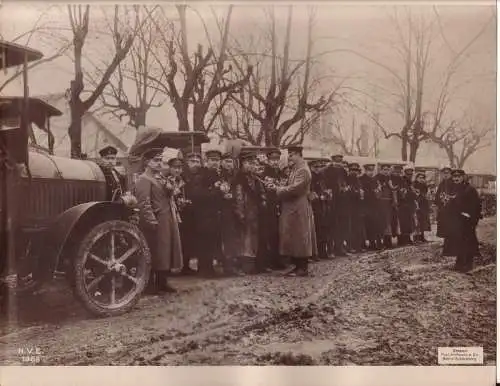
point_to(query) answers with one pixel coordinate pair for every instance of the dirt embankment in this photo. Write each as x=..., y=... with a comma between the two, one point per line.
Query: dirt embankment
x=392, y=308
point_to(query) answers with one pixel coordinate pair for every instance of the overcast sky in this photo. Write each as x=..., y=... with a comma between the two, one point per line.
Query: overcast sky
x=358, y=26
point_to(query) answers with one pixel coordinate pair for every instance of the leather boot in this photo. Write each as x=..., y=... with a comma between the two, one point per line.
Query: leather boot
x=163, y=285
x=388, y=242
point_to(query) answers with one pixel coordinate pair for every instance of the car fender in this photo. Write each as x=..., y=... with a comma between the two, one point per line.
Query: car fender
x=69, y=225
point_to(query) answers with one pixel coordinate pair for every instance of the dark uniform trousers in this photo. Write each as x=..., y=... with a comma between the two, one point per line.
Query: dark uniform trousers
x=340, y=223
x=269, y=229
x=356, y=234
x=320, y=213
x=465, y=210
x=206, y=238
x=335, y=179
x=269, y=237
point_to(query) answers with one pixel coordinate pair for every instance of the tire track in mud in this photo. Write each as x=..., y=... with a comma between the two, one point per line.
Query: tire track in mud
x=305, y=309
x=162, y=344
x=230, y=316
x=401, y=318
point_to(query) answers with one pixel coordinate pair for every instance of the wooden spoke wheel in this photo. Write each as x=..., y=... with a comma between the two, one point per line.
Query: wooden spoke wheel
x=111, y=268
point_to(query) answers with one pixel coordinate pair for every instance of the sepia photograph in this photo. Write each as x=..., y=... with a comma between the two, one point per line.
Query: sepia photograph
x=248, y=184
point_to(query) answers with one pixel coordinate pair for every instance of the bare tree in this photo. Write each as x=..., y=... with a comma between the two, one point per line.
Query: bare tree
x=233, y=122
x=460, y=140
x=347, y=134
x=204, y=75
x=414, y=47
x=41, y=30
x=271, y=98
x=123, y=37
x=131, y=93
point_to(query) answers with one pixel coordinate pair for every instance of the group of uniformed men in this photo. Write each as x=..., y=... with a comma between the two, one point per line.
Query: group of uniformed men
x=249, y=215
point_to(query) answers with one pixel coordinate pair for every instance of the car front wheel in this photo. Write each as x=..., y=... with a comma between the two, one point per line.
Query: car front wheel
x=111, y=268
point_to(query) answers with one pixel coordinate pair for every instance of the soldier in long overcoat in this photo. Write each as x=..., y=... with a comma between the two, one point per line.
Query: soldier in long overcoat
x=423, y=207
x=249, y=197
x=371, y=209
x=335, y=180
x=297, y=233
x=116, y=183
x=356, y=239
x=229, y=221
x=157, y=219
x=465, y=212
x=406, y=207
x=445, y=192
x=193, y=179
x=207, y=204
x=271, y=212
x=396, y=182
x=387, y=203
x=319, y=203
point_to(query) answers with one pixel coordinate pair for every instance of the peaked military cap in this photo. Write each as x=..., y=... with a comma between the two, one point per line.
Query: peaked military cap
x=316, y=161
x=175, y=162
x=274, y=153
x=294, y=148
x=151, y=153
x=458, y=172
x=108, y=150
x=247, y=155
x=227, y=155
x=213, y=153
x=193, y=155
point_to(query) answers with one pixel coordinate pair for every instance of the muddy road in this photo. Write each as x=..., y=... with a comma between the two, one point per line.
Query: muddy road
x=391, y=308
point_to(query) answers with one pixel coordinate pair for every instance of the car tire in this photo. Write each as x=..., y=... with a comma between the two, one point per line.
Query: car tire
x=84, y=257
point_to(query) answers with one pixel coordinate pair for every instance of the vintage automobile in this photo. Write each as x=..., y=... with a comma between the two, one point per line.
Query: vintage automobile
x=55, y=218
x=53, y=210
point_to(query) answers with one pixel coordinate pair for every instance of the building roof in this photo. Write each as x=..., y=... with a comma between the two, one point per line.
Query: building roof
x=12, y=106
x=12, y=54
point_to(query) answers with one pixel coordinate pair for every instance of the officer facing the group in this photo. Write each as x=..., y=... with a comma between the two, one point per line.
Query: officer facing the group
x=297, y=233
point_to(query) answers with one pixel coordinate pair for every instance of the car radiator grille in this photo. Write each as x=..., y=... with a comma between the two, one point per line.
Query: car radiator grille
x=42, y=199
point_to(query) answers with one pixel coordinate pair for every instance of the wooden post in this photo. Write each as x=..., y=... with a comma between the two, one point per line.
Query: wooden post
x=50, y=137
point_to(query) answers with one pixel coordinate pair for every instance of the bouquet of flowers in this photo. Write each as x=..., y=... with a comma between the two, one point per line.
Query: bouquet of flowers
x=182, y=202
x=225, y=189
x=345, y=188
x=274, y=183
x=166, y=181
x=328, y=194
